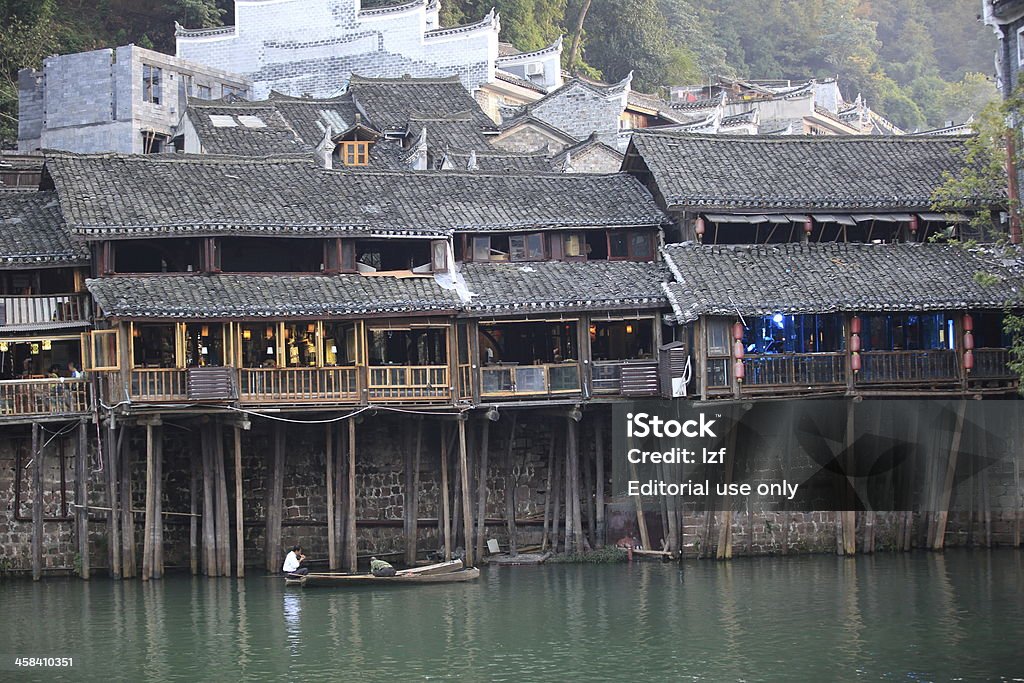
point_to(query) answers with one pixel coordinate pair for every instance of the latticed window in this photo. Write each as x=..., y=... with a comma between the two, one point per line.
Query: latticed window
x=355, y=153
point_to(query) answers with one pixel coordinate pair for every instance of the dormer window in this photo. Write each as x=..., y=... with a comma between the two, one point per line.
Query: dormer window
x=355, y=153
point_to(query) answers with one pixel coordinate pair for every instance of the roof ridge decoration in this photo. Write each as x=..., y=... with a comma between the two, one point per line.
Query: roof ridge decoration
x=182, y=32
x=491, y=21
x=555, y=47
x=391, y=9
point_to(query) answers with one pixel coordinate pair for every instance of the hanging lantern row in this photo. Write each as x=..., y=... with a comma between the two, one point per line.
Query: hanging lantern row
x=855, y=360
x=737, y=351
x=968, y=323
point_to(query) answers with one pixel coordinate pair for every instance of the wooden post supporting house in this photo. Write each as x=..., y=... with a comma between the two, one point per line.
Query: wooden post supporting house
x=467, y=517
x=572, y=434
x=445, y=510
x=547, y=494
x=849, y=513
x=113, y=523
x=412, y=496
x=332, y=547
x=275, y=493
x=193, y=509
x=938, y=538
x=82, y=497
x=554, y=491
x=125, y=457
x=351, y=547
x=37, y=504
x=239, y=510
x=599, y=482
x=222, y=521
x=340, y=492
x=510, y=491
x=481, y=490
x=210, y=566
x=158, y=504
x=149, y=523
x=724, y=549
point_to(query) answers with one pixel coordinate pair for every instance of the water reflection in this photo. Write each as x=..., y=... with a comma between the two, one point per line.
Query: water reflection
x=926, y=616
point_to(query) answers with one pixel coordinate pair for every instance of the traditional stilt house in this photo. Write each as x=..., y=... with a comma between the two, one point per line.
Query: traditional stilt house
x=808, y=266
x=44, y=311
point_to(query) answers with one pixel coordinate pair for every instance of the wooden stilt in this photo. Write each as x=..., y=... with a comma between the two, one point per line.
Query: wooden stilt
x=570, y=509
x=579, y=540
x=125, y=456
x=467, y=515
x=113, y=521
x=158, y=503
x=981, y=449
x=445, y=510
x=588, y=496
x=351, y=546
x=412, y=497
x=724, y=549
x=547, y=494
x=341, y=490
x=849, y=512
x=599, y=483
x=332, y=548
x=37, y=503
x=939, y=537
x=638, y=503
x=209, y=514
x=82, y=498
x=510, y=492
x=275, y=493
x=556, y=493
x=222, y=523
x=481, y=490
x=456, y=520
x=239, y=510
x=193, y=508
x=147, y=527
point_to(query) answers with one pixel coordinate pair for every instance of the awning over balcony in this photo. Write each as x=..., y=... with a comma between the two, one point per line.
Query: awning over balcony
x=838, y=277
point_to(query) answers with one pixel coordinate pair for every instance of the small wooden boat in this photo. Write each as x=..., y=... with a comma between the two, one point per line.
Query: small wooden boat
x=457, y=576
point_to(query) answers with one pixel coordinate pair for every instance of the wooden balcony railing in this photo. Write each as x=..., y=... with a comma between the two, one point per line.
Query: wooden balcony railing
x=408, y=382
x=909, y=367
x=158, y=384
x=43, y=397
x=992, y=364
x=795, y=369
x=307, y=385
x=529, y=380
x=465, y=386
x=39, y=310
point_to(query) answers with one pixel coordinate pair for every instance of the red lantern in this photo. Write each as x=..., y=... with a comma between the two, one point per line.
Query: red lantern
x=968, y=340
x=698, y=228
x=737, y=331
x=968, y=322
x=968, y=360
x=737, y=349
x=855, y=343
x=913, y=225
x=738, y=370
x=855, y=362
x=855, y=324
x=808, y=226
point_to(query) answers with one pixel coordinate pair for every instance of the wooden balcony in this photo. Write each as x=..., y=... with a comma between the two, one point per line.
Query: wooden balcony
x=155, y=385
x=933, y=366
x=43, y=397
x=409, y=383
x=299, y=385
x=512, y=381
x=795, y=370
x=992, y=364
x=625, y=377
x=56, y=310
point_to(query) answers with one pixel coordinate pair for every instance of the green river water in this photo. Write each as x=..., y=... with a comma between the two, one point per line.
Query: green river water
x=920, y=617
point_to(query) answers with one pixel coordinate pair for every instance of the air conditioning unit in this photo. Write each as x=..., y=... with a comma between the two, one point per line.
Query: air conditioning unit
x=534, y=69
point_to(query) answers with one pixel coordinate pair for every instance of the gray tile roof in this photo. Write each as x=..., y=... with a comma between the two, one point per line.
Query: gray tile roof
x=831, y=277
x=510, y=288
x=798, y=173
x=274, y=137
x=390, y=103
x=33, y=234
x=107, y=194
x=259, y=296
x=309, y=118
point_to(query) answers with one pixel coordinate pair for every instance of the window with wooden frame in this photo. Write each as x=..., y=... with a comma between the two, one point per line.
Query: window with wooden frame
x=630, y=246
x=103, y=350
x=568, y=247
x=718, y=351
x=355, y=153
x=528, y=247
x=439, y=256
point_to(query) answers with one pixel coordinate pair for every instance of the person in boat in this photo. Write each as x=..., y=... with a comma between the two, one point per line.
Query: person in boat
x=293, y=562
x=381, y=568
